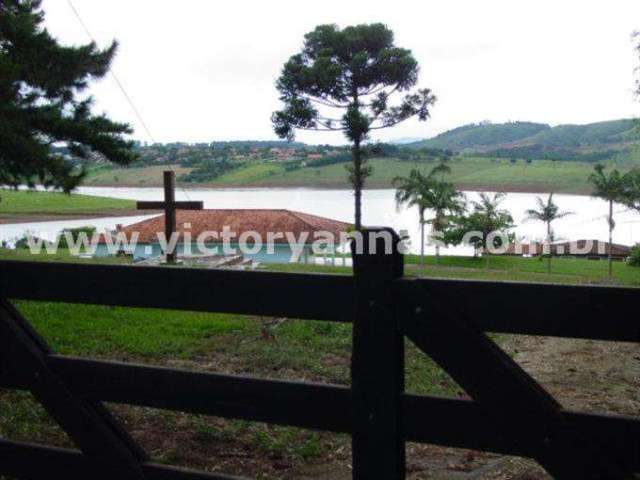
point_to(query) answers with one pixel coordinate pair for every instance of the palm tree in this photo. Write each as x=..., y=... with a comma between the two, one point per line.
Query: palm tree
x=487, y=217
x=612, y=188
x=429, y=192
x=547, y=212
x=632, y=189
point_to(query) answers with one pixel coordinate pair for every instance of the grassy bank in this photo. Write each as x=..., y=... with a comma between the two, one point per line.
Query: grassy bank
x=467, y=173
x=31, y=203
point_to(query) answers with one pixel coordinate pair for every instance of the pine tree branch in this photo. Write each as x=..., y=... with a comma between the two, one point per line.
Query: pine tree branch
x=325, y=102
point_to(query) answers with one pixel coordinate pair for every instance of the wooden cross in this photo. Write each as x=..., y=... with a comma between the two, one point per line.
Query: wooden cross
x=170, y=206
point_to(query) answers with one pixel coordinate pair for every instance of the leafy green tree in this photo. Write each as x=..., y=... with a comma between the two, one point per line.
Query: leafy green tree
x=486, y=223
x=634, y=257
x=430, y=192
x=344, y=80
x=547, y=212
x=74, y=234
x=40, y=105
x=632, y=189
x=612, y=188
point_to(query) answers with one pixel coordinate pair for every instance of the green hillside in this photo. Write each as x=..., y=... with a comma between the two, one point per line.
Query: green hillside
x=486, y=137
x=483, y=135
x=592, y=134
x=468, y=172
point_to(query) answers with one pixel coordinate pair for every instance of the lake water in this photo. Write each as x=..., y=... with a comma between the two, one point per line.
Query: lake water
x=379, y=209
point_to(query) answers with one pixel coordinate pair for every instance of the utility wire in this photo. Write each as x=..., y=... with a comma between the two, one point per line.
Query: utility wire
x=122, y=89
x=113, y=74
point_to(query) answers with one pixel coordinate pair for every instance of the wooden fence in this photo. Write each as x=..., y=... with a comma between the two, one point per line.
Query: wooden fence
x=447, y=319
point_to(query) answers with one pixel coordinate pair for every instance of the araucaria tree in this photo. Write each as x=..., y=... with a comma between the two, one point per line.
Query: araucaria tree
x=547, y=212
x=40, y=107
x=430, y=192
x=345, y=80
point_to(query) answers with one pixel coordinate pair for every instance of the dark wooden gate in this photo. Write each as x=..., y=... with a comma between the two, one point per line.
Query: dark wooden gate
x=448, y=319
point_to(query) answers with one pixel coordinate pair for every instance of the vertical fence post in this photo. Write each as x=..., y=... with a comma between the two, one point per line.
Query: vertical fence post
x=377, y=362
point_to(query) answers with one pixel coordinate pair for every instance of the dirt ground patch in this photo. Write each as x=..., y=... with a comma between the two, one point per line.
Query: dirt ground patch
x=585, y=375
x=581, y=374
x=599, y=377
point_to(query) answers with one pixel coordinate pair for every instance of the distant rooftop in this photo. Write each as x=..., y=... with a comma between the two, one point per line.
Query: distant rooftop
x=574, y=247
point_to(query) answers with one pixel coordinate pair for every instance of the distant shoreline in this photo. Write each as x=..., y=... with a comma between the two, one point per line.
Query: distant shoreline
x=471, y=187
x=50, y=216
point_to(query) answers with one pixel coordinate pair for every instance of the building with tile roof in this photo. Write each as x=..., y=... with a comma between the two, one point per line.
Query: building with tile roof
x=265, y=235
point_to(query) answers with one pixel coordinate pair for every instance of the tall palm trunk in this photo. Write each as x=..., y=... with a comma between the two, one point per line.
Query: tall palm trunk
x=610, y=237
x=436, y=227
x=422, y=240
x=550, y=249
x=357, y=183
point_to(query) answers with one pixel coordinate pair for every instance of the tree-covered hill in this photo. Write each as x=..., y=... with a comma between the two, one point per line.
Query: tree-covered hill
x=487, y=137
x=592, y=134
x=483, y=135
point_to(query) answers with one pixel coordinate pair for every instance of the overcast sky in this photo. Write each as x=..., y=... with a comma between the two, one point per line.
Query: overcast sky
x=200, y=70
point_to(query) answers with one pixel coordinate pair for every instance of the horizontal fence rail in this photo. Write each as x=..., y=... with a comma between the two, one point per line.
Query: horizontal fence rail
x=223, y=291
x=498, y=307
x=383, y=306
x=572, y=311
x=438, y=420
x=301, y=404
x=24, y=460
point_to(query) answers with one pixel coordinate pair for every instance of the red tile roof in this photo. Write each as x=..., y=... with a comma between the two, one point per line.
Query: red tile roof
x=239, y=221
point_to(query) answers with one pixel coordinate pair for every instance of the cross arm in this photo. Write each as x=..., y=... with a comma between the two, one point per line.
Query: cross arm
x=160, y=205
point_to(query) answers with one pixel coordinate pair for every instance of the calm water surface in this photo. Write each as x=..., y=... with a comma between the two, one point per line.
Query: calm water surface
x=589, y=221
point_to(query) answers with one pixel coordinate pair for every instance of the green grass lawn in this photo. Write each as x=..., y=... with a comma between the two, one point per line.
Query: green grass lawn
x=63, y=255
x=563, y=270
x=54, y=203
